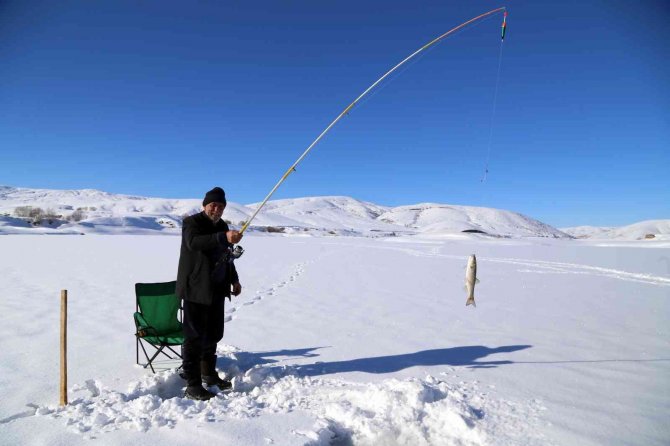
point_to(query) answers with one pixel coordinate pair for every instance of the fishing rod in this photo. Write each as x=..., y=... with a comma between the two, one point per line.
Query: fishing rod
x=350, y=106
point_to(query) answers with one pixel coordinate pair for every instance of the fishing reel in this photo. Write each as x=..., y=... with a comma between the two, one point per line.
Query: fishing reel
x=235, y=253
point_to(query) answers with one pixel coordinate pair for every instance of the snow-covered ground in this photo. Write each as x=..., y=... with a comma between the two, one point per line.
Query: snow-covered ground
x=350, y=340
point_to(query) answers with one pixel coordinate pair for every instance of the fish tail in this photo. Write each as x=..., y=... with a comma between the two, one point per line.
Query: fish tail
x=471, y=301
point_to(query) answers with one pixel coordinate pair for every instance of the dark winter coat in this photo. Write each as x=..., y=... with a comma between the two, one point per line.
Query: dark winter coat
x=203, y=244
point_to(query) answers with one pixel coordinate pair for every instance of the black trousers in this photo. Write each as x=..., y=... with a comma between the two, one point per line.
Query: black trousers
x=203, y=329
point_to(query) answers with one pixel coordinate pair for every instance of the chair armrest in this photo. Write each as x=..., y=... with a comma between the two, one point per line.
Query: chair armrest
x=143, y=327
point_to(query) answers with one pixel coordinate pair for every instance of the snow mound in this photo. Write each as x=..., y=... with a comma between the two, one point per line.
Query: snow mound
x=413, y=411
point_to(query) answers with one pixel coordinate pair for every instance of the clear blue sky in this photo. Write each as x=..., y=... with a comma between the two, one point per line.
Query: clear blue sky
x=168, y=99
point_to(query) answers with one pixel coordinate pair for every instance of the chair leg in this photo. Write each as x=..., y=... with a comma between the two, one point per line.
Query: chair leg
x=173, y=352
x=148, y=360
x=159, y=350
x=165, y=354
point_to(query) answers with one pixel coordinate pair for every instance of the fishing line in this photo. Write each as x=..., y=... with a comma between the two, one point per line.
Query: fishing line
x=495, y=103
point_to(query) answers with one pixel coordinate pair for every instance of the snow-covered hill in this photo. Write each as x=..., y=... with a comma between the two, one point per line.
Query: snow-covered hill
x=438, y=219
x=587, y=231
x=329, y=212
x=93, y=211
x=644, y=230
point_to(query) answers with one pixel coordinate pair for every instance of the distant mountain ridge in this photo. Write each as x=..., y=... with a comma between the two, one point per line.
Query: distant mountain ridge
x=105, y=213
x=643, y=230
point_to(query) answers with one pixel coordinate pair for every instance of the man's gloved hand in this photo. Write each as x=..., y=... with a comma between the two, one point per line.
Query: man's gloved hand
x=237, y=289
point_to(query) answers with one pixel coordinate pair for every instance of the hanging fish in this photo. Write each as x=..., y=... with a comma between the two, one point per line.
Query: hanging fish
x=471, y=280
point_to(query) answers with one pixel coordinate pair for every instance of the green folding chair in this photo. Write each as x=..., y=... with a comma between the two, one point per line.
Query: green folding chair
x=157, y=320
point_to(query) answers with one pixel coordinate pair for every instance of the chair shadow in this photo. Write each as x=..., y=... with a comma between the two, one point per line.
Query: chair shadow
x=468, y=356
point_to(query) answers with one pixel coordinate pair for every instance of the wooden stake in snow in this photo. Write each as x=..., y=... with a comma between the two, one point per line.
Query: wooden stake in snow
x=63, y=347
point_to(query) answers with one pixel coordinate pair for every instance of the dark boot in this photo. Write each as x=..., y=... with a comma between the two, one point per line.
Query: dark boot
x=210, y=377
x=198, y=393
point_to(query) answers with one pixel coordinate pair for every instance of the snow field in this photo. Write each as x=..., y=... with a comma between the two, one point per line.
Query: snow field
x=349, y=341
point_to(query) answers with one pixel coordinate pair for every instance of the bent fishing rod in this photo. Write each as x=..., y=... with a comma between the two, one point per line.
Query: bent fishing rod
x=361, y=96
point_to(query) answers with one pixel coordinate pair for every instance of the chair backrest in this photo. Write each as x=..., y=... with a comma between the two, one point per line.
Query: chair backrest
x=159, y=305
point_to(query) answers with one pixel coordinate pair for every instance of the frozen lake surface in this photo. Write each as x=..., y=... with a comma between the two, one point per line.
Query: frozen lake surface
x=349, y=340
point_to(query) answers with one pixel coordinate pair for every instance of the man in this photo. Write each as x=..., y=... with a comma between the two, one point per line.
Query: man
x=204, y=279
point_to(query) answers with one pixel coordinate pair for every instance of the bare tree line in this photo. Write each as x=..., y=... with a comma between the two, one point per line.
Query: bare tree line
x=37, y=215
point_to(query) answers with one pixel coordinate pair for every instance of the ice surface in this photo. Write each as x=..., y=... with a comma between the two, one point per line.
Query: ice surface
x=349, y=340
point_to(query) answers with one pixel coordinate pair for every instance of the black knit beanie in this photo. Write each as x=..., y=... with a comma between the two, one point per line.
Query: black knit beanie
x=216, y=195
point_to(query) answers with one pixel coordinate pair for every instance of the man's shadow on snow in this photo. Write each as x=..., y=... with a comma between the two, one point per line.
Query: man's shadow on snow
x=470, y=356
